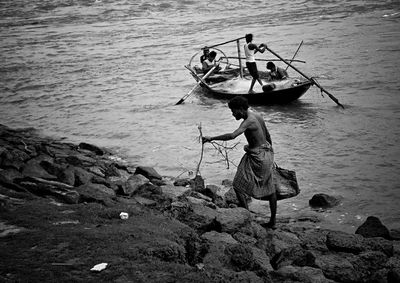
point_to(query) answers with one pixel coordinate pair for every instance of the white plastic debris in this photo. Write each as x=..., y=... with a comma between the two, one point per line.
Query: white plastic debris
x=99, y=267
x=124, y=215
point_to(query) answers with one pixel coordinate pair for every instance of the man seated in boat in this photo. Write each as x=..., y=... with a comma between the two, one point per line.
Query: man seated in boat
x=276, y=73
x=206, y=52
x=210, y=62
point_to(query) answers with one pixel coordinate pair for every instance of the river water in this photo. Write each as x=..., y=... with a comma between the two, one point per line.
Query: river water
x=109, y=72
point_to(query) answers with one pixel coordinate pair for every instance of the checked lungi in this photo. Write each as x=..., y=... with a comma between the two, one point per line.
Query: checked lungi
x=254, y=174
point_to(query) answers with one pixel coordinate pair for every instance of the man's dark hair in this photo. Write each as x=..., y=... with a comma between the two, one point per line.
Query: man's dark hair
x=213, y=54
x=238, y=102
x=249, y=37
x=270, y=66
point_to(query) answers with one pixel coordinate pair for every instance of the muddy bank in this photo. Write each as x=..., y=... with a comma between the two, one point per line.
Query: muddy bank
x=60, y=215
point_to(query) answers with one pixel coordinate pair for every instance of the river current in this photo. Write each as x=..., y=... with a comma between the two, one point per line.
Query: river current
x=109, y=72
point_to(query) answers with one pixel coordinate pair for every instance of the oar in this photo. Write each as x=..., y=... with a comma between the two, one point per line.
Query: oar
x=298, y=48
x=310, y=79
x=201, y=80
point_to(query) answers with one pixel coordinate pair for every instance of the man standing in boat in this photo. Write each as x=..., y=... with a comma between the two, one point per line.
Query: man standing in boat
x=254, y=176
x=249, y=50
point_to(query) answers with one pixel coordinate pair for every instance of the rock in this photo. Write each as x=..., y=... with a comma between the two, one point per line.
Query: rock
x=182, y=182
x=367, y=263
x=323, y=201
x=9, y=175
x=96, y=193
x=90, y=147
x=380, y=245
x=337, y=268
x=304, y=274
x=200, y=196
x=241, y=257
x=244, y=239
x=148, y=190
x=261, y=260
x=293, y=256
x=148, y=172
x=133, y=183
x=32, y=168
x=231, y=219
x=145, y=201
x=198, y=183
x=394, y=275
x=373, y=227
x=343, y=242
x=215, y=237
x=211, y=191
x=82, y=176
x=227, y=183
x=174, y=191
x=230, y=197
x=13, y=158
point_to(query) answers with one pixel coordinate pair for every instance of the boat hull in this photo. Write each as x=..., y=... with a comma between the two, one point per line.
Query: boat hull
x=283, y=95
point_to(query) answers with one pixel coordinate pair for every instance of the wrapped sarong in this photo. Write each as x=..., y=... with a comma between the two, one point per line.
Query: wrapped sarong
x=254, y=174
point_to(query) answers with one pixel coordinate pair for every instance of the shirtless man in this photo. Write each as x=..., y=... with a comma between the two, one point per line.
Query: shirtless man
x=254, y=174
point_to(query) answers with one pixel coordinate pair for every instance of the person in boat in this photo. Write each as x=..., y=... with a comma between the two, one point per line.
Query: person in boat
x=254, y=176
x=276, y=73
x=203, y=57
x=210, y=62
x=249, y=50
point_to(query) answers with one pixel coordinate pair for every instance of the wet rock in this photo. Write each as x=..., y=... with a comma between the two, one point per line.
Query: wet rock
x=148, y=172
x=90, y=147
x=323, y=201
x=373, y=227
x=133, y=183
x=343, y=242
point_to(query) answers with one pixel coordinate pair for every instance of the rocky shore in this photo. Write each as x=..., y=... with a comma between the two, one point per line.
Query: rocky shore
x=65, y=208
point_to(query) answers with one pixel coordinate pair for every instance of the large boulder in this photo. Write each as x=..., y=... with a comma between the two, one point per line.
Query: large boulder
x=231, y=219
x=373, y=227
x=344, y=242
x=337, y=268
x=133, y=183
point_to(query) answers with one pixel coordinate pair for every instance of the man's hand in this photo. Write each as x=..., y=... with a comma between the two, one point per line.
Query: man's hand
x=206, y=139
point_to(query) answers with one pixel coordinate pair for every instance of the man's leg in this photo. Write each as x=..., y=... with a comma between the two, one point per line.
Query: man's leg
x=253, y=81
x=272, y=206
x=242, y=199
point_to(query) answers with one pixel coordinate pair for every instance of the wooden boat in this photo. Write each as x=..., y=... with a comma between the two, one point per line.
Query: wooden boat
x=234, y=80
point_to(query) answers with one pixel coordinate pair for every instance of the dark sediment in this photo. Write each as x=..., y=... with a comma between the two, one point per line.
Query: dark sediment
x=60, y=206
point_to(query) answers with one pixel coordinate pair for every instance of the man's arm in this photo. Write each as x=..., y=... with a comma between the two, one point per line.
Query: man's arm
x=229, y=136
x=256, y=48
